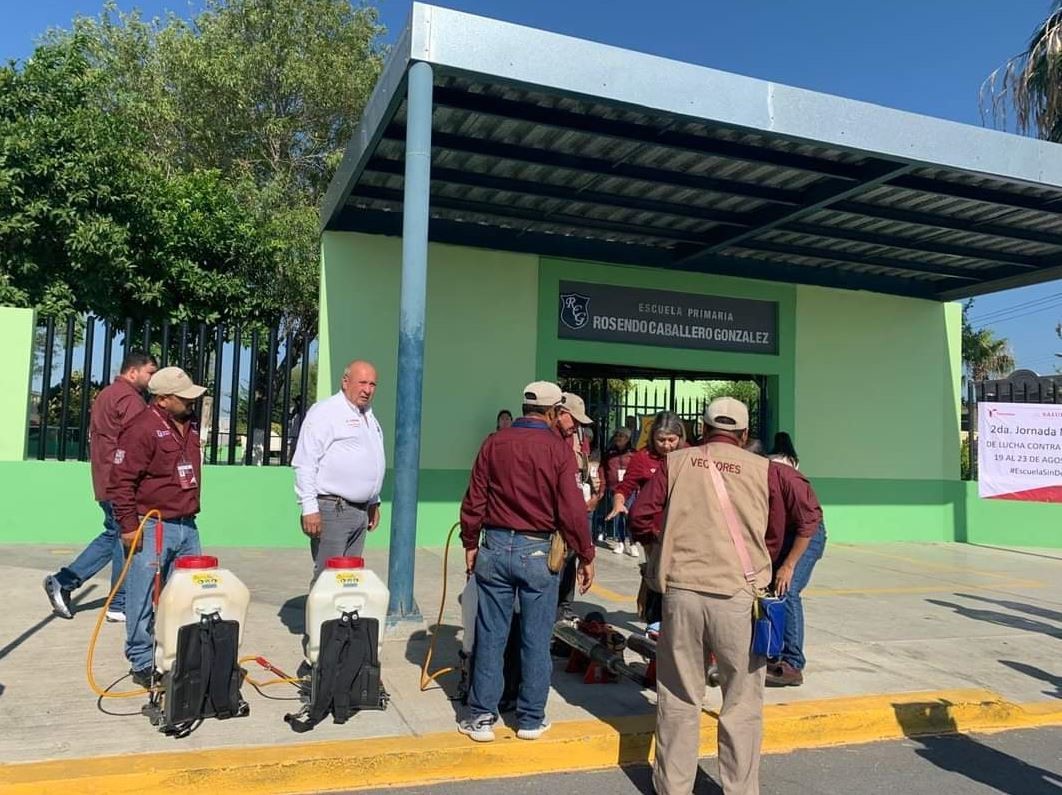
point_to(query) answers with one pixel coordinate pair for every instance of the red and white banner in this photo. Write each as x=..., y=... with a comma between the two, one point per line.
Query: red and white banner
x=1019, y=451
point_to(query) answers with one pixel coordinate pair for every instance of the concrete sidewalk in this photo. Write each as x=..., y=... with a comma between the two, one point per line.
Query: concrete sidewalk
x=882, y=619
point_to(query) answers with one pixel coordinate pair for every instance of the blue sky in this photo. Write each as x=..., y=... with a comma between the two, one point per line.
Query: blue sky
x=926, y=57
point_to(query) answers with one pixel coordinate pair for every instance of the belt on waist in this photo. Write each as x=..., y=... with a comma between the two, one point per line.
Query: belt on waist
x=361, y=506
x=537, y=535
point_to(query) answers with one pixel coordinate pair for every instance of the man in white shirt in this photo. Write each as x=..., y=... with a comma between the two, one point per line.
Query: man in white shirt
x=339, y=468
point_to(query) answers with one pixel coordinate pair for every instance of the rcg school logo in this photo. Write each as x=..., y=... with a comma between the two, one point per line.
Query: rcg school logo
x=575, y=312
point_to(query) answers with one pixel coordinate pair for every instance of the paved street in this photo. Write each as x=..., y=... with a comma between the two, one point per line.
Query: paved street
x=1016, y=763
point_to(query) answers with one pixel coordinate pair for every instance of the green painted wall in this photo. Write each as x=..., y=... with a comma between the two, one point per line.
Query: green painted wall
x=877, y=386
x=479, y=349
x=16, y=363
x=1008, y=522
x=242, y=506
x=877, y=413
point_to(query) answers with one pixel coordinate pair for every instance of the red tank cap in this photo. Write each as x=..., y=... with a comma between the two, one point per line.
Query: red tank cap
x=345, y=563
x=196, y=562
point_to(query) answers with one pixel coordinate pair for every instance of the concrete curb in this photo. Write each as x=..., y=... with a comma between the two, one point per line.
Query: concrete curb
x=579, y=745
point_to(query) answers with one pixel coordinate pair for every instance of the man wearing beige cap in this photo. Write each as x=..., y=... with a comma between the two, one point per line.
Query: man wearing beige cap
x=157, y=464
x=571, y=421
x=521, y=493
x=711, y=509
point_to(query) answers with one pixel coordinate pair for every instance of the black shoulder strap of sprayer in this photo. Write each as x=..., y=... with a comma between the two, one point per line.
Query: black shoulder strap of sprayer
x=351, y=661
x=341, y=660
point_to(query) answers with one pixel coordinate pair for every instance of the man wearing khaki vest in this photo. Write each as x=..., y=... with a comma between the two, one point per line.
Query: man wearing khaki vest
x=709, y=594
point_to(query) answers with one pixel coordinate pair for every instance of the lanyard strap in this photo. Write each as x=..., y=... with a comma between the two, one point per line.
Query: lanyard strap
x=730, y=516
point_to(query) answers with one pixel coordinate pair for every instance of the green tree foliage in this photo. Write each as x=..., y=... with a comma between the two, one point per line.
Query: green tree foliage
x=173, y=168
x=265, y=93
x=745, y=391
x=984, y=355
x=1026, y=92
x=88, y=222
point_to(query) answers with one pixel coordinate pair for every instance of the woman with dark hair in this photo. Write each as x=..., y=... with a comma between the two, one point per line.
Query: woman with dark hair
x=788, y=670
x=504, y=420
x=784, y=451
x=667, y=433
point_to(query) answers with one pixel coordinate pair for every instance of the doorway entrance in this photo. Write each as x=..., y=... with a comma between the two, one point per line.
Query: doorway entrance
x=619, y=395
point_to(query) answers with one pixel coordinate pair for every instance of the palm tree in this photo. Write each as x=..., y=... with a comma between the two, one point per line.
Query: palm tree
x=984, y=355
x=1028, y=87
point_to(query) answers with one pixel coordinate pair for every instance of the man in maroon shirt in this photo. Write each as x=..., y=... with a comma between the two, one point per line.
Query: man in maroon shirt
x=114, y=408
x=523, y=489
x=157, y=465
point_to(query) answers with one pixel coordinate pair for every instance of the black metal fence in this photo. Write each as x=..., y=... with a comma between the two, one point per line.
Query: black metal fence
x=612, y=404
x=259, y=383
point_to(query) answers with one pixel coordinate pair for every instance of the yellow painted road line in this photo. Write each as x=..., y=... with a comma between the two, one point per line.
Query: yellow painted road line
x=600, y=590
x=581, y=745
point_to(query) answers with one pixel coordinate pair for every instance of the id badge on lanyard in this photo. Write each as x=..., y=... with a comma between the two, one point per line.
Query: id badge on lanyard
x=186, y=475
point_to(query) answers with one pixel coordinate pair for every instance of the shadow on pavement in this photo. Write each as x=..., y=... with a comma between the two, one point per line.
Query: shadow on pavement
x=77, y=603
x=293, y=614
x=1020, y=607
x=1001, y=619
x=1038, y=673
x=445, y=655
x=964, y=755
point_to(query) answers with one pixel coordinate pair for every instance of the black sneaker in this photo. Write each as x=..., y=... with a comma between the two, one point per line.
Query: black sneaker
x=58, y=596
x=144, y=677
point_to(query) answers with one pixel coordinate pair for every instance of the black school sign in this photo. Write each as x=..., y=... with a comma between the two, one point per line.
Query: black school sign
x=606, y=313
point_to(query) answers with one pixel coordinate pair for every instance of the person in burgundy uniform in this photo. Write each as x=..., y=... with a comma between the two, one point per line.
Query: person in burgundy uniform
x=157, y=465
x=522, y=490
x=114, y=408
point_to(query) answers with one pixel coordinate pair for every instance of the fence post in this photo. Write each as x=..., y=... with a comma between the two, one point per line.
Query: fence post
x=17, y=328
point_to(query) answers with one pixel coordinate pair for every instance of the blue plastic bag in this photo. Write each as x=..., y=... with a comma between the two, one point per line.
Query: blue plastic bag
x=768, y=627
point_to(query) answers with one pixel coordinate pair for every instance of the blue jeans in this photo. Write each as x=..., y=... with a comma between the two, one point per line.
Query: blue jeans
x=793, y=645
x=103, y=549
x=511, y=567
x=179, y=537
x=619, y=524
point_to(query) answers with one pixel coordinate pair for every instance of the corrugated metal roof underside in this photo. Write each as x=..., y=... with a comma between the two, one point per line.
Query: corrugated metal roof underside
x=526, y=170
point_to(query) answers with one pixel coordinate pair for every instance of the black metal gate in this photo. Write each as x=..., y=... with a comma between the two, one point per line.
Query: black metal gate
x=617, y=396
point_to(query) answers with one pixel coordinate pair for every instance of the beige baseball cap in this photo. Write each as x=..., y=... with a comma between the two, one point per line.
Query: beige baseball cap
x=727, y=414
x=573, y=404
x=543, y=395
x=175, y=381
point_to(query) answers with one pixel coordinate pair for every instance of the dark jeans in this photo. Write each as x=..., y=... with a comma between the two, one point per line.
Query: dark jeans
x=793, y=645
x=179, y=537
x=103, y=549
x=511, y=568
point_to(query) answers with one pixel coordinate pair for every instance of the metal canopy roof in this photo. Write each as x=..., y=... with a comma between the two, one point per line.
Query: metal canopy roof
x=552, y=145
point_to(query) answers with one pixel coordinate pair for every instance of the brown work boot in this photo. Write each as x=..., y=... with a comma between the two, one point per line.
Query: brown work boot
x=784, y=675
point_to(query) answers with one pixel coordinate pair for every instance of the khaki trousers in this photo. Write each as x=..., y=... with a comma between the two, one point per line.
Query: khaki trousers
x=693, y=624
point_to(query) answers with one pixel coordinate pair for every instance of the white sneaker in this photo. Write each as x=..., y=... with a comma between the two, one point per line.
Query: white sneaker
x=534, y=734
x=601, y=538
x=631, y=549
x=618, y=548
x=115, y=617
x=480, y=728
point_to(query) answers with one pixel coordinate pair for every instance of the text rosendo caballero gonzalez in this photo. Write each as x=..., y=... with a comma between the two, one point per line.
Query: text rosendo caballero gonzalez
x=692, y=331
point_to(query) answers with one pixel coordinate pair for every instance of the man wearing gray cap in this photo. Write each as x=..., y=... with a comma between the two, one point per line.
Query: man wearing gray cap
x=157, y=464
x=710, y=511
x=522, y=492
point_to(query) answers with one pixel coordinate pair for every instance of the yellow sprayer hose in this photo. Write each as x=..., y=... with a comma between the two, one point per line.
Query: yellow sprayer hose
x=99, y=691
x=425, y=678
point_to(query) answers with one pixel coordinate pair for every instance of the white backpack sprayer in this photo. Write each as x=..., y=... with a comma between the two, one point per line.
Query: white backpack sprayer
x=199, y=618
x=344, y=612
